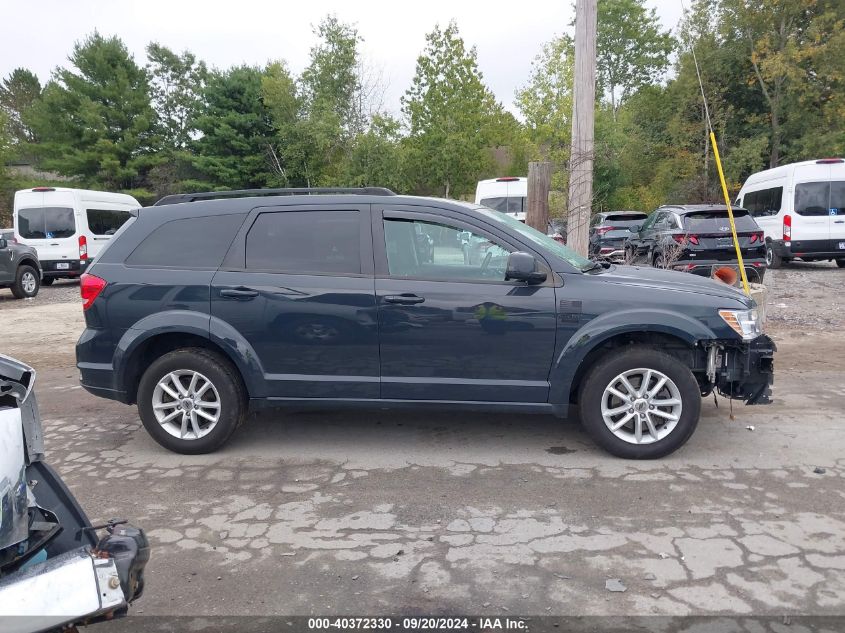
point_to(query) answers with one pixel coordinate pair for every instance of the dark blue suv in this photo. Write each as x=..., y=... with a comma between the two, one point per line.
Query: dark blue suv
x=206, y=306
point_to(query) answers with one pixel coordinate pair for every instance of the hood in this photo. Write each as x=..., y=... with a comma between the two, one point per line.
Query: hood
x=657, y=278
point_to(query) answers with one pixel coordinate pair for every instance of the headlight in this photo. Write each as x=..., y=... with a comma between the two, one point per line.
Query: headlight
x=746, y=323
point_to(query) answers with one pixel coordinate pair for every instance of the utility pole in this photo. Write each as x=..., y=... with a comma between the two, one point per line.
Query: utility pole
x=583, y=116
x=539, y=184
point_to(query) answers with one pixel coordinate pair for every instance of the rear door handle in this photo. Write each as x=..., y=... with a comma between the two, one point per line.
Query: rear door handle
x=241, y=294
x=404, y=299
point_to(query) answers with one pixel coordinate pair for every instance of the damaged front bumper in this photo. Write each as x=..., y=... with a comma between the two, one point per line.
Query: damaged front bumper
x=73, y=587
x=744, y=371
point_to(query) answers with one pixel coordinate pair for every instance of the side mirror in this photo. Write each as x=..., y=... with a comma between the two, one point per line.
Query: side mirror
x=523, y=267
x=3, y=243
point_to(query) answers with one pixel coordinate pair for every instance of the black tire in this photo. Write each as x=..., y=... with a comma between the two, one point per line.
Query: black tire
x=610, y=366
x=773, y=260
x=27, y=282
x=47, y=281
x=840, y=263
x=659, y=261
x=225, y=379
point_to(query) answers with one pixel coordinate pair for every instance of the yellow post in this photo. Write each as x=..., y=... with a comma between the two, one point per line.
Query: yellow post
x=730, y=214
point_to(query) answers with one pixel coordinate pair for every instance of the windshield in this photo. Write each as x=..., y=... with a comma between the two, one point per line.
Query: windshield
x=703, y=221
x=540, y=239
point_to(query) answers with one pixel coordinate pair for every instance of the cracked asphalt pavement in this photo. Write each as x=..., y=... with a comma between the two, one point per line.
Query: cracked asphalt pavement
x=396, y=513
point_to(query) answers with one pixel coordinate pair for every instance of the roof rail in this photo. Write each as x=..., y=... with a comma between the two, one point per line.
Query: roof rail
x=176, y=198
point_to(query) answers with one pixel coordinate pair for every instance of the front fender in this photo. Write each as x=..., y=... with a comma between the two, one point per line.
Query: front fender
x=599, y=330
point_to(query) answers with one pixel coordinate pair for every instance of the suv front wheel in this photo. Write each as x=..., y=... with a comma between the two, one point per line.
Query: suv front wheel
x=640, y=403
x=191, y=401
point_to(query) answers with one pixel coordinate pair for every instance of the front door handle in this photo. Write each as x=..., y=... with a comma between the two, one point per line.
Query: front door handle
x=241, y=294
x=404, y=299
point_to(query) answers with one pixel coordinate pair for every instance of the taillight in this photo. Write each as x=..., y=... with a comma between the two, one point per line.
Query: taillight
x=90, y=287
x=787, y=228
x=601, y=230
x=683, y=239
x=756, y=237
x=83, y=247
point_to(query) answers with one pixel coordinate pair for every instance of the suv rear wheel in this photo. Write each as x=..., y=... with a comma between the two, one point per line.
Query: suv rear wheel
x=27, y=283
x=191, y=401
x=840, y=263
x=640, y=403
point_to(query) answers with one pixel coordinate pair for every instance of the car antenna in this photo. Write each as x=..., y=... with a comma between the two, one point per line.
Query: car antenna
x=715, y=146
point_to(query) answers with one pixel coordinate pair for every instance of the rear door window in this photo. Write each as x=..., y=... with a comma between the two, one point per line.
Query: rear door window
x=812, y=198
x=305, y=242
x=516, y=205
x=31, y=223
x=51, y=223
x=188, y=243
x=59, y=222
x=497, y=204
x=106, y=221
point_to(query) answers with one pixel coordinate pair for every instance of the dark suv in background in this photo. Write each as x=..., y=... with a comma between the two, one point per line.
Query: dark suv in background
x=609, y=230
x=19, y=267
x=696, y=238
x=208, y=305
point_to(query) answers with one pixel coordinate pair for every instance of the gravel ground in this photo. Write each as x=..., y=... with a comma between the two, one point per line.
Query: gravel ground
x=806, y=295
x=382, y=512
x=62, y=291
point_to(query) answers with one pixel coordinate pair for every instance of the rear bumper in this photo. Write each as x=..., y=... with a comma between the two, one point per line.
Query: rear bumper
x=755, y=269
x=55, y=267
x=745, y=371
x=98, y=379
x=809, y=249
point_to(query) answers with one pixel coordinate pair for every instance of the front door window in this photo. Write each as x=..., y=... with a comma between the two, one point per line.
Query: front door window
x=427, y=250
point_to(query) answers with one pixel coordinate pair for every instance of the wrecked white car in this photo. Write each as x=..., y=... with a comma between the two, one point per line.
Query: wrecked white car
x=54, y=570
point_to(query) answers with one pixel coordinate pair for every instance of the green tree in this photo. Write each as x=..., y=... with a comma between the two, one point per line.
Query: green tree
x=377, y=157
x=449, y=112
x=95, y=120
x=333, y=111
x=781, y=47
x=631, y=49
x=545, y=103
x=330, y=83
x=236, y=130
x=291, y=148
x=18, y=94
x=176, y=82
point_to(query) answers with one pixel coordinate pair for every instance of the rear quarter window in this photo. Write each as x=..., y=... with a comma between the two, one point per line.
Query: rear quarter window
x=199, y=242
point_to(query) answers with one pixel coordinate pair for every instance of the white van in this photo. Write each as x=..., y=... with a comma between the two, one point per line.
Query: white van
x=508, y=195
x=801, y=209
x=68, y=227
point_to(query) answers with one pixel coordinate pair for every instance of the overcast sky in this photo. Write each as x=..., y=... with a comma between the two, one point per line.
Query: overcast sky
x=508, y=35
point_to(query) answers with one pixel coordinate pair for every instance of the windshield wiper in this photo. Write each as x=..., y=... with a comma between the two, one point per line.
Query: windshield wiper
x=600, y=265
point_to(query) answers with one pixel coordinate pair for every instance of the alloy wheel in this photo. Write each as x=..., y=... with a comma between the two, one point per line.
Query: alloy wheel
x=641, y=406
x=186, y=404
